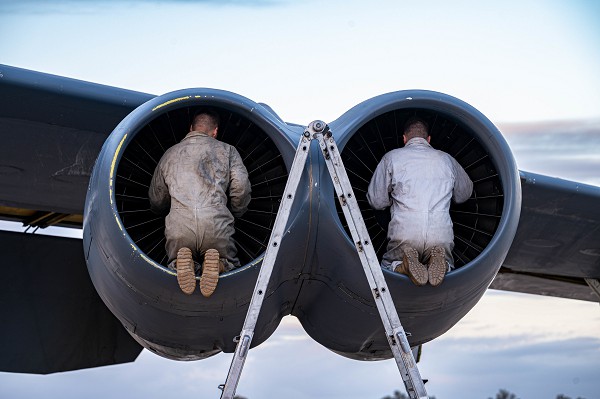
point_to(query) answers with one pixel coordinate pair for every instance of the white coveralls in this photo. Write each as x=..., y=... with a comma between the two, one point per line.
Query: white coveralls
x=194, y=179
x=418, y=182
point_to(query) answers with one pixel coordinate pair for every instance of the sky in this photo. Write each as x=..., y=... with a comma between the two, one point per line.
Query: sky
x=517, y=62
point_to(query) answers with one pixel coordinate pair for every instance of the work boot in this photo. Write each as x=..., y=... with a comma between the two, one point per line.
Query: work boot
x=185, y=270
x=412, y=267
x=210, y=272
x=437, y=266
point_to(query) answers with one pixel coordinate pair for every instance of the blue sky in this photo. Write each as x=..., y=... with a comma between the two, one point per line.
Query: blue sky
x=513, y=60
x=516, y=61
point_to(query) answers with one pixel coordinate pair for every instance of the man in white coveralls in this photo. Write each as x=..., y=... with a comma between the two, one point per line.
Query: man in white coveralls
x=419, y=182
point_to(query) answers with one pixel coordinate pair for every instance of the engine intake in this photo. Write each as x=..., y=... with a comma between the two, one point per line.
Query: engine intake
x=124, y=241
x=484, y=226
x=263, y=160
x=475, y=221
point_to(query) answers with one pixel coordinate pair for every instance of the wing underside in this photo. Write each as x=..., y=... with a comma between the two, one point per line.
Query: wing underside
x=53, y=319
x=556, y=250
x=51, y=130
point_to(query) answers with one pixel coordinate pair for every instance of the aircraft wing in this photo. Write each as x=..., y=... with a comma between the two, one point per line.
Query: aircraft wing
x=556, y=250
x=53, y=318
x=51, y=130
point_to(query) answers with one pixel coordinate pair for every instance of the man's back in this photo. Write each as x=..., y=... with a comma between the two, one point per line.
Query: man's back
x=198, y=172
x=422, y=179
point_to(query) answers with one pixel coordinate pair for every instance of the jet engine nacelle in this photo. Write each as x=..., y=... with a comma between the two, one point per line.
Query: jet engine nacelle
x=484, y=226
x=317, y=276
x=124, y=241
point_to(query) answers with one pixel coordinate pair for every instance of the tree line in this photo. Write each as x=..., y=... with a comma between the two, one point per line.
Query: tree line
x=502, y=394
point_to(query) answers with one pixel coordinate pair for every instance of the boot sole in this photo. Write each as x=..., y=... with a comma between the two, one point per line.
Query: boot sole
x=437, y=266
x=210, y=272
x=185, y=271
x=417, y=272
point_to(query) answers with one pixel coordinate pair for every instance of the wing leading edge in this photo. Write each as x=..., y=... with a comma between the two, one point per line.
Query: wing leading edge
x=52, y=129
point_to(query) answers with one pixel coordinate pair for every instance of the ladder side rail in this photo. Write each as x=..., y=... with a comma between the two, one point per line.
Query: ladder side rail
x=358, y=229
x=264, y=275
x=361, y=241
x=385, y=305
x=360, y=233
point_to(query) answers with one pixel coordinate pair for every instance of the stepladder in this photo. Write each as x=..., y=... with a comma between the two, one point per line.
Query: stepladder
x=396, y=336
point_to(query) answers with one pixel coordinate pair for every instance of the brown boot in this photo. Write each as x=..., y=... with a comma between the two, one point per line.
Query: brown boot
x=210, y=272
x=437, y=266
x=412, y=267
x=185, y=270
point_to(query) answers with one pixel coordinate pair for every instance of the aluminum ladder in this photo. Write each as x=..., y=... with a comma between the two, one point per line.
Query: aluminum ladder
x=318, y=130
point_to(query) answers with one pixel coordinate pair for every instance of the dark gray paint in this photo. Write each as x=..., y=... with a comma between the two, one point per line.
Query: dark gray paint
x=52, y=318
x=318, y=279
x=557, y=243
x=51, y=131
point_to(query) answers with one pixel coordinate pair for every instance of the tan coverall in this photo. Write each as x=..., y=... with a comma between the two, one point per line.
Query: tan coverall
x=418, y=182
x=194, y=178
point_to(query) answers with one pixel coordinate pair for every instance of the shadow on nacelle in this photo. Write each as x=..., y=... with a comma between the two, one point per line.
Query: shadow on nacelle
x=317, y=276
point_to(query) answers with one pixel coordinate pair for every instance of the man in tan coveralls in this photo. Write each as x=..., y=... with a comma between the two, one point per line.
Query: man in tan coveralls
x=193, y=180
x=419, y=182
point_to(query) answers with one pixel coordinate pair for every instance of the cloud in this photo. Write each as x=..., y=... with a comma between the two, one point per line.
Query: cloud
x=532, y=370
x=565, y=149
x=528, y=361
x=75, y=6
